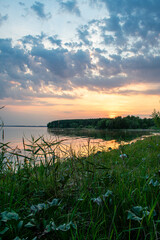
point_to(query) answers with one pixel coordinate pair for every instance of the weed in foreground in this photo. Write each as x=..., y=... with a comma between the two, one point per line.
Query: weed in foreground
x=108, y=195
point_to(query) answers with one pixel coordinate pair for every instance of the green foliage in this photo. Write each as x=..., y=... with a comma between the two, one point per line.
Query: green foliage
x=74, y=123
x=156, y=118
x=101, y=124
x=129, y=122
x=107, y=195
x=12, y=224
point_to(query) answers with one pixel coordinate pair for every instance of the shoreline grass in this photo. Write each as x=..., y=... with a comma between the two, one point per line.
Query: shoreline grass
x=105, y=195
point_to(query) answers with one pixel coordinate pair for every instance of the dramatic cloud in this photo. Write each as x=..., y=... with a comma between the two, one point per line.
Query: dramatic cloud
x=37, y=71
x=30, y=73
x=3, y=18
x=131, y=26
x=71, y=7
x=107, y=54
x=38, y=8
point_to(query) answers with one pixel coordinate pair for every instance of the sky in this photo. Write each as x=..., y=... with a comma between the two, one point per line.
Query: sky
x=67, y=59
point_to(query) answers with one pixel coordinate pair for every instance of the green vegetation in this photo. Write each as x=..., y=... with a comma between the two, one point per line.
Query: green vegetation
x=104, y=195
x=156, y=118
x=129, y=122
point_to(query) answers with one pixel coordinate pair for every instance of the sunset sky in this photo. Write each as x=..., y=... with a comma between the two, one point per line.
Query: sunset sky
x=65, y=59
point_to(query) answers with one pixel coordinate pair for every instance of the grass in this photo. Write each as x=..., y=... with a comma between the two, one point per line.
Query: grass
x=108, y=195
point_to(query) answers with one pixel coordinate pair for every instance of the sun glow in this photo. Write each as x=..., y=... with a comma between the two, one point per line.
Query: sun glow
x=88, y=105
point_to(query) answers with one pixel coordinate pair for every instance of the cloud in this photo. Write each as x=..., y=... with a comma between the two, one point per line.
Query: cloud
x=61, y=66
x=70, y=6
x=33, y=40
x=3, y=19
x=129, y=23
x=110, y=54
x=54, y=60
x=132, y=6
x=144, y=70
x=83, y=34
x=25, y=72
x=81, y=61
x=38, y=8
x=22, y=4
x=54, y=40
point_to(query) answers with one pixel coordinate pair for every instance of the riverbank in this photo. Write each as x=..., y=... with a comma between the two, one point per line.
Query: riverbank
x=107, y=195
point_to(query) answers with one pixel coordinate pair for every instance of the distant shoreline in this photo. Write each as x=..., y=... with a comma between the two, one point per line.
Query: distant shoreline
x=22, y=126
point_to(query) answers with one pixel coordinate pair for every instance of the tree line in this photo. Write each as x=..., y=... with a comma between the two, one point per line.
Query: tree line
x=129, y=122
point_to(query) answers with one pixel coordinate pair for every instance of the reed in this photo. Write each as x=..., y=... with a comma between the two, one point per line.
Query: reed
x=103, y=195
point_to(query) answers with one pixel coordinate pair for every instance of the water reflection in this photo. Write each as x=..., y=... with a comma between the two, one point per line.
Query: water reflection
x=79, y=141
x=106, y=135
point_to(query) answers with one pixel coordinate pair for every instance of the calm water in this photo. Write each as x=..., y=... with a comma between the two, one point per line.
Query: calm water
x=76, y=138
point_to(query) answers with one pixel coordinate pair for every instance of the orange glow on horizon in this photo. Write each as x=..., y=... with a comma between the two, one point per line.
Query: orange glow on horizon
x=112, y=115
x=89, y=104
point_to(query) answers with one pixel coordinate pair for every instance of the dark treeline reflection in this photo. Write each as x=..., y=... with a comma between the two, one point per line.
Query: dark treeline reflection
x=118, y=135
